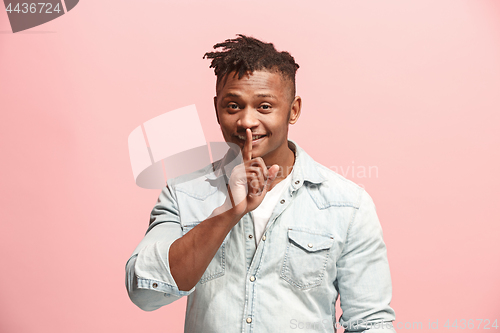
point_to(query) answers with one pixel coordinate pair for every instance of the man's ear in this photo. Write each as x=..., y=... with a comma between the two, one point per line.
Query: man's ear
x=216, y=113
x=295, y=110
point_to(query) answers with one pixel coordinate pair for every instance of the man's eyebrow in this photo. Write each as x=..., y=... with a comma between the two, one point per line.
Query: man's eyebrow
x=231, y=95
x=266, y=95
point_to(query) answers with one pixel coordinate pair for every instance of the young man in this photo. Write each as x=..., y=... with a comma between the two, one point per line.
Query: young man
x=266, y=244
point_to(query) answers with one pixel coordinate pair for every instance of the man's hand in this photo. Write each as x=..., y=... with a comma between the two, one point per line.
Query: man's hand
x=249, y=181
x=190, y=255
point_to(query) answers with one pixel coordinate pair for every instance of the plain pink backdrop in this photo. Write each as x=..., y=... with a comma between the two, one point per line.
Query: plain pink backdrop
x=408, y=88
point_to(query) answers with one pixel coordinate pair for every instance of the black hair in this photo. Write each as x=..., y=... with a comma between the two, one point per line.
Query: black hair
x=247, y=54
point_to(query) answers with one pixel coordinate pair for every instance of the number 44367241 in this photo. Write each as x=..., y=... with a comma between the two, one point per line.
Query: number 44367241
x=471, y=324
x=32, y=8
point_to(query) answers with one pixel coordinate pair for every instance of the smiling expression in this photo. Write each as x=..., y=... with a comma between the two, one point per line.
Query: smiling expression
x=261, y=101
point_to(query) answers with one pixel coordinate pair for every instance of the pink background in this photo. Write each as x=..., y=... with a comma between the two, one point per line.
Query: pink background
x=410, y=88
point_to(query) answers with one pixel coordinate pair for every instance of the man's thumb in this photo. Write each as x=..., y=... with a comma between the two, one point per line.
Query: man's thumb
x=272, y=173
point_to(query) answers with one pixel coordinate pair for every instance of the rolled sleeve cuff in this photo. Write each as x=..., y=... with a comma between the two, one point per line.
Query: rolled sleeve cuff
x=163, y=287
x=153, y=271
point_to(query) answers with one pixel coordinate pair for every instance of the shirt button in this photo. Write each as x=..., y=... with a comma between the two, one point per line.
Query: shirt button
x=298, y=181
x=249, y=320
x=155, y=285
x=252, y=278
x=264, y=237
x=310, y=245
x=282, y=201
x=250, y=236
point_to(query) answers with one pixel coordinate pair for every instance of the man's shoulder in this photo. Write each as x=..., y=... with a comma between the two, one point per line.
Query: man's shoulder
x=335, y=189
x=198, y=184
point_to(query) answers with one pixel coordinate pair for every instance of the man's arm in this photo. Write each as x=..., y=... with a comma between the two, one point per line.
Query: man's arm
x=148, y=279
x=363, y=279
x=169, y=264
x=166, y=265
x=190, y=255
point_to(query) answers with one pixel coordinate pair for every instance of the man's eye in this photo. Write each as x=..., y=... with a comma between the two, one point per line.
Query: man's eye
x=232, y=106
x=265, y=107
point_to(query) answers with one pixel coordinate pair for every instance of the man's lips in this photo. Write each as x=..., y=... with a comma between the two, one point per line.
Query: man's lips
x=254, y=137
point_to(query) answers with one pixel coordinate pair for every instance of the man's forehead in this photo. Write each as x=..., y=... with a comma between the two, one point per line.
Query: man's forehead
x=280, y=81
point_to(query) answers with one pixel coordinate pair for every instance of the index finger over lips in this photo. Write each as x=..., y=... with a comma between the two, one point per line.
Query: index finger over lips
x=247, y=148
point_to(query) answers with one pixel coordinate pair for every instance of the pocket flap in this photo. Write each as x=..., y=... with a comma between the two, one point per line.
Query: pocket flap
x=310, y=241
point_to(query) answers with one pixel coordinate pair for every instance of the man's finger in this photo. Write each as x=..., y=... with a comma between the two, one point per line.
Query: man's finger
x=247, y=148
x=273, y=173
x=261, y=165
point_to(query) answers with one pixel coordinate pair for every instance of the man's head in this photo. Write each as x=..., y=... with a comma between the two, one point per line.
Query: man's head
x=247, y=54
x=256, y=89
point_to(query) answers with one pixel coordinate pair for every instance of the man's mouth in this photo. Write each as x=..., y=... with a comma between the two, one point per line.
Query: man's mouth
x=254, y=137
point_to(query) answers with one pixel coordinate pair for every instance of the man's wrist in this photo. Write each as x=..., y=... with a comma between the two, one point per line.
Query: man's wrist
x=233, y=213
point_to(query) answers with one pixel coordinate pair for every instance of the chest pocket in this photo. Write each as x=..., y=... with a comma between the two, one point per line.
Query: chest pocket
x=306, y=257
x=217, y=266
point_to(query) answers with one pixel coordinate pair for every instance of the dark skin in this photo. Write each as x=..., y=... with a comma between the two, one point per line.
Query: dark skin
x=263, y=102
x=254, y=113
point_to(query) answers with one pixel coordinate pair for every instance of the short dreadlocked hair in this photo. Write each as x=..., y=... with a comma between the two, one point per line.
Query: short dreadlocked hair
x=247, y=54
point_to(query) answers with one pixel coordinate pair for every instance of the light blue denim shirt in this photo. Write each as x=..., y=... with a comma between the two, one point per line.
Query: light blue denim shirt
x=323, y=240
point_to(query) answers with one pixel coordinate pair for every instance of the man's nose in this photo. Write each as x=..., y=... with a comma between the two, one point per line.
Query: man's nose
x=248, y=118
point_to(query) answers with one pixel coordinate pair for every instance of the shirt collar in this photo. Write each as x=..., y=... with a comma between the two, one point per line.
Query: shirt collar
x=305, y=169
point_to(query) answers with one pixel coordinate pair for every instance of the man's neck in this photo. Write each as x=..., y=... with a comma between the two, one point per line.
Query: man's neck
x=285, y=168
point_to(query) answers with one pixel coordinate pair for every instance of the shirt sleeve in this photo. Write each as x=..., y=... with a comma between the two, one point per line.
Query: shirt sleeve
x=149, y=282
x=363, y=276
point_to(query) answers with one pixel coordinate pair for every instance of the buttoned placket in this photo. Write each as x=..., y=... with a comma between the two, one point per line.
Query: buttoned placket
x=249, y=231
x=253, y=270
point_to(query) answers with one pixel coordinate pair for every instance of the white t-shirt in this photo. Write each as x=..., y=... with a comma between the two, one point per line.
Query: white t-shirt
x=262, y=214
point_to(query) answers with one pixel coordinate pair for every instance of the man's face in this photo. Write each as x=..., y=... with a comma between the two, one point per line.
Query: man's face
x=262, y=102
